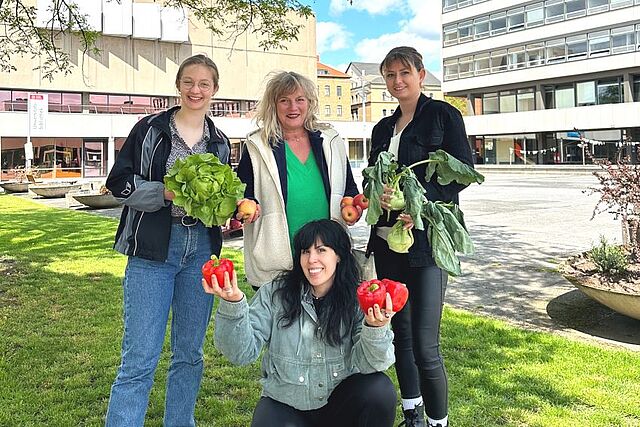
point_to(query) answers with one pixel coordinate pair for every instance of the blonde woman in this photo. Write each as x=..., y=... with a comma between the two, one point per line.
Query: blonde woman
x=295, y=168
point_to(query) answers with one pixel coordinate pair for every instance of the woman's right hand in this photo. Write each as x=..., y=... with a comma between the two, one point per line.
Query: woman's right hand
x=169, y=195
x=387, y=192
x=252, y=217
x=229, y=292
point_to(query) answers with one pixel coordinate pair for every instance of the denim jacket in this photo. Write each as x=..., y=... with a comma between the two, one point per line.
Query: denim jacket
x=298, y=369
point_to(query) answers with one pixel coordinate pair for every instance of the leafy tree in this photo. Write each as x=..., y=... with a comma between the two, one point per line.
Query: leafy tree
x=459, y=102
x=19, y=34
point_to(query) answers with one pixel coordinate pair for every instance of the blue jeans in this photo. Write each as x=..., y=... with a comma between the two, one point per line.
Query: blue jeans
x=151, y=290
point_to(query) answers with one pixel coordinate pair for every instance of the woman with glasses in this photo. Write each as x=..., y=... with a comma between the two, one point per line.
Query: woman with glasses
x=166, y=250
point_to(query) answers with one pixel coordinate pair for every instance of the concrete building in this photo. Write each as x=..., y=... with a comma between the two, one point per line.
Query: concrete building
x=369, y=92
x=92, y=110
x=334, y=94
x=545, y=80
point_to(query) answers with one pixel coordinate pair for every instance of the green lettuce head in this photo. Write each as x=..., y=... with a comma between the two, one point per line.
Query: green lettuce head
x=205, y=188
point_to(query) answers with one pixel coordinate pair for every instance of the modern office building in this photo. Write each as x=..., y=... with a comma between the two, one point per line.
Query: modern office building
x=545, y=80
x=92, y=109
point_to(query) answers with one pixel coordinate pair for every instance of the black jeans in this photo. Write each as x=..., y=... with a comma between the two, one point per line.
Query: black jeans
x=419, y=365
x=358, y=401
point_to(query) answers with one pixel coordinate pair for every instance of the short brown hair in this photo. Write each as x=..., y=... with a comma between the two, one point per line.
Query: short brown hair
x=199, y=59
x=407, y=55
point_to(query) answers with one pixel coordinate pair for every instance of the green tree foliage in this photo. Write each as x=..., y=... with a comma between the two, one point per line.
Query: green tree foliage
x=269, y=20
x=459, y=102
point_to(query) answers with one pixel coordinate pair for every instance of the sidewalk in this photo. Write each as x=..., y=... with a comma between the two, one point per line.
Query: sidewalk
x=523, y=225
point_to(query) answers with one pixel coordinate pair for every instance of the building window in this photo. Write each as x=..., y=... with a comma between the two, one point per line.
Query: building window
x=526, y=99
x=515, y=19
x=339, y=111
x=609, y=91
x=577, y=47
x=636, y=88
x=450, y=71
x=616, y=4
x=586, y=93
x=535, y=54
x=498, y=61
x=481, y=62
x=384, y=112
x=507, y=101
x=339, y=90
x=599, y=43
x=597, y=6
x=575, y=8
x=448, y=5
x=490, y=103
x=481, y=27
x=498, y=23
x=516, y=58
x=450, y=35
x=623, y=39
x=554, y=11
x=465, y=31
x=564, y=96
x=327, y=90
x=327, y=110
x=556, y=51
x=465, y=67
x=534, y=14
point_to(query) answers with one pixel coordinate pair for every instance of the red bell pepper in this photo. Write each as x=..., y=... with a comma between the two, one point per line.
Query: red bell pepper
x=217, y=267
x=371, y=292
x=399, y=293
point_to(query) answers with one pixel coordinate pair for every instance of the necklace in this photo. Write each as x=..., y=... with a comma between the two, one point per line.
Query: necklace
x=295, y=139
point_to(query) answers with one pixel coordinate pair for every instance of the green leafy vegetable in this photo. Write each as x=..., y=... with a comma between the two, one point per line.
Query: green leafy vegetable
x=205, y=188
x=450, y=169
x=447, y=232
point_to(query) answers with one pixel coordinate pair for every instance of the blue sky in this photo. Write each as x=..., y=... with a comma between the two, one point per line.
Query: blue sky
x=366, y=30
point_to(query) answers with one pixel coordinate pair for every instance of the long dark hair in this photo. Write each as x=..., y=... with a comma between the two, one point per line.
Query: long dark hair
x=340, y=304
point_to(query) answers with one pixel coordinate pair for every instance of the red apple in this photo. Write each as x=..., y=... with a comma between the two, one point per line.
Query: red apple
x=361, y=200
x=346, y=201
x=350, y=213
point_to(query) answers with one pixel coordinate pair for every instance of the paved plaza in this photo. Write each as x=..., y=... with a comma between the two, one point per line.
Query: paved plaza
x=523, y=225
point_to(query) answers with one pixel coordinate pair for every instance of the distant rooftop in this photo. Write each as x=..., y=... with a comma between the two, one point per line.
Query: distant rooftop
x=372, y=70
x=325, y=70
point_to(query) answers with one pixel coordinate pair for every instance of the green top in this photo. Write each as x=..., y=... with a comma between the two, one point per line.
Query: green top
x=306, y=199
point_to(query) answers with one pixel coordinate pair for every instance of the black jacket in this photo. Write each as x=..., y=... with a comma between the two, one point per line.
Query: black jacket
x=435, y=125
x=137, y=180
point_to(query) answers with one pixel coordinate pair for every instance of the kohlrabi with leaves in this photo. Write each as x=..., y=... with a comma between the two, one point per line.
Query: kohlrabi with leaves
x=447, y=232
x=205, y=188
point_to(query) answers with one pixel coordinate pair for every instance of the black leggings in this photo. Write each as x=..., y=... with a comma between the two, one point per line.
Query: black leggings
x=358, y=401
x=419, y=365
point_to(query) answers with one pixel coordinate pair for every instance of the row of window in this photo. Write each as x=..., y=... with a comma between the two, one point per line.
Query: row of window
x=529, y=16
x=449, y=5
x=592, y=92
x=580, y=46
x=327, y=90
x=327, y=110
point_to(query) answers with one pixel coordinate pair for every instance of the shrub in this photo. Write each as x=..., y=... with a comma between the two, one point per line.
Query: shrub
x=609, y=259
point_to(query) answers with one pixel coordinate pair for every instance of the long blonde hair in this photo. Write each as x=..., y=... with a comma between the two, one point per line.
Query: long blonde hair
x=282, y=84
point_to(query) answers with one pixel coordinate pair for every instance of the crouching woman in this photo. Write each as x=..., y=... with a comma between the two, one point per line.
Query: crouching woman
x=324, y=358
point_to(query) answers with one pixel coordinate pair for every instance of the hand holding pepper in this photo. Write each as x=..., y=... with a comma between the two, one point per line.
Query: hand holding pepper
x=229, y=291
x=377, y=317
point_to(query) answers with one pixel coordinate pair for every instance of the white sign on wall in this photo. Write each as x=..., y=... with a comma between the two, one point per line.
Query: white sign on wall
x=38, y=107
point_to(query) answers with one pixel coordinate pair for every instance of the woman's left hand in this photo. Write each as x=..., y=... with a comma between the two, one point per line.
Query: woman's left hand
x=408, y=221
x=377, y=317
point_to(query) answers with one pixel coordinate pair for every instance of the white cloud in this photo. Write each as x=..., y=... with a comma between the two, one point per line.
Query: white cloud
x=374, y=7
x=421, y=30
x=331, y=36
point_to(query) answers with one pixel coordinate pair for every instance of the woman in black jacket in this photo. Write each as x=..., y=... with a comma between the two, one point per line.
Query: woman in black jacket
x=419, y=126
x=166, y=250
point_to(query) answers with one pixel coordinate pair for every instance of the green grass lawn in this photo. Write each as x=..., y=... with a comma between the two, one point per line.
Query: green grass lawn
x=61, y=326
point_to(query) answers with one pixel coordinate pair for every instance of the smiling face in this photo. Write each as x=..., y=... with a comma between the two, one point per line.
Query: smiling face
x=292, y=110
x=404, y=82
x=319, y=263
x=197, y=87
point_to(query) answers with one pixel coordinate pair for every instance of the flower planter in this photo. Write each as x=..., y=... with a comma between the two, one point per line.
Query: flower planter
x=53, y=190
x=96, y=200
x=15, y=187
x=627, y=304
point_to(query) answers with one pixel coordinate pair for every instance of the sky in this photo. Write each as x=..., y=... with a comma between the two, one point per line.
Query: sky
x=366, y=30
